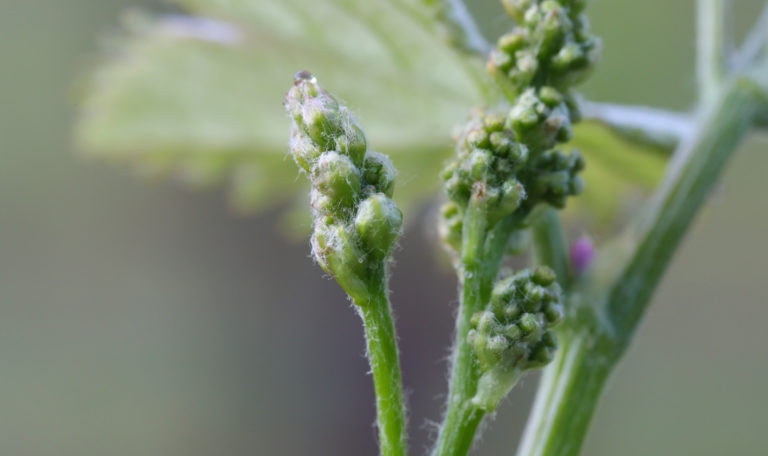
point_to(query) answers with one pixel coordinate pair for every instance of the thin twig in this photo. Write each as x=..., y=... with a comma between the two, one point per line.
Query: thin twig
x=657, y=127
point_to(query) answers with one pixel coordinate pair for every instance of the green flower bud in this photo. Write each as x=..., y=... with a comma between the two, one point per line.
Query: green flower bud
x=335, y=250
x=505, y=200
x=378, y=222
x=352, y=143
x=493, y=123
x=458, y=186
x=356, y=223
x=337, y=177
x=522, y=312
x=305, y=152
x=321, y=204
x=499, y=63
x=536, y=124
x=379, y=173
x=478, y=139
x=479, y=164
x=524, y=69
x=321, y=120
x=543, y=276
x=554, y=177
x=514, y=41
x=574, y=61
x=552, y=28
x=450, y=225
x=517, y=8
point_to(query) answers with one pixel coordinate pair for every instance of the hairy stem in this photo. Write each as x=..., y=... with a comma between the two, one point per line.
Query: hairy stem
x=481, y=257
x=381, y=342
x=571, y=386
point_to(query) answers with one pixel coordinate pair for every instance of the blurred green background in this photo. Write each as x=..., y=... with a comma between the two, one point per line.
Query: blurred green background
x=147, y=319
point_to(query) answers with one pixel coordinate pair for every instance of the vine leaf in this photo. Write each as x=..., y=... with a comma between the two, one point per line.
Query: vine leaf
x=198, y=97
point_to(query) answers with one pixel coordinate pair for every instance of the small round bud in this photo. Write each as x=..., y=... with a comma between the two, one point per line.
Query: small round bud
x=500, y=62
x=478, y=139
x=379, y=172
x=305, y=152
x=378, y=222
x=450, y=225
x=513, y=41
x=334, y=248
x=479, y=164
x=517, y=8
x=320, y=203
x=337, y=177
x=553, y=312
x=352, y=143
x=321, y=120
x=543, y=276
x=493, y=123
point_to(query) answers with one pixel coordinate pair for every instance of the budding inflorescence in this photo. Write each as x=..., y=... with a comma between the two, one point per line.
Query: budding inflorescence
x=507, y=163
x=356, y=223
x=514, y=333
x=551, y=46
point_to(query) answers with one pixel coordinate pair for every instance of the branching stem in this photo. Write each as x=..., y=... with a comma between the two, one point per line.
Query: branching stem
x=571, y=386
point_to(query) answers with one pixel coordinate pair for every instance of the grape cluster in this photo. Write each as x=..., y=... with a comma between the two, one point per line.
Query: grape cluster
x=356, y=223
x=551, y=46
x=514, y=333
x=508, y=163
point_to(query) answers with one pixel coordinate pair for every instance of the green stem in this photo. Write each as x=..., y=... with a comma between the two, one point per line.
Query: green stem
x=569, y=390
x=711, y=36
x=381, y=342
x=571, y=386
x=690, y=179
x=482, y=251
x=549, y=245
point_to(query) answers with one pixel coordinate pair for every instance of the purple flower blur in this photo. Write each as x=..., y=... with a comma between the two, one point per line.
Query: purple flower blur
x=582, y=254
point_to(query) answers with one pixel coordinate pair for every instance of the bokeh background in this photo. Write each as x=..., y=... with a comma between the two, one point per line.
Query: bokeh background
x=142, y=318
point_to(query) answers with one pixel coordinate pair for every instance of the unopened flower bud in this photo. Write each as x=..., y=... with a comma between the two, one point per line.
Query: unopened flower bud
x=335, y=250
x=378, y=222
x=379, y=172
x=337, y=177
x=352, y=143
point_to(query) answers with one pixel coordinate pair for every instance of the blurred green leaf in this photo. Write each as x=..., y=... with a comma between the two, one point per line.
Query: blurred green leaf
x=618, y=174
x=199, y=98
x=202, y=98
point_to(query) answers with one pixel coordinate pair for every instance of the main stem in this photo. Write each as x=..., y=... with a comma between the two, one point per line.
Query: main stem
x=481, y=256
x=381, y=342
x=567, y=397
x=572, y=385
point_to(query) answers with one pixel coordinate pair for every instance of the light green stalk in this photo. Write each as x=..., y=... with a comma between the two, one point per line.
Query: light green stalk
x=381, y=344
x=356, y=226
x=571, y=386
